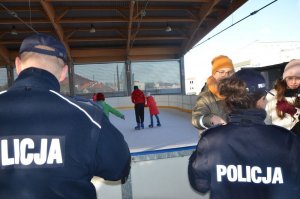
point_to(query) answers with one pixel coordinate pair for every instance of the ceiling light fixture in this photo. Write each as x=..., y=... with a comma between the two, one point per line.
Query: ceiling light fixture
x=93, y=29
x=168, y=28
x=143, y=13
x=13, y=31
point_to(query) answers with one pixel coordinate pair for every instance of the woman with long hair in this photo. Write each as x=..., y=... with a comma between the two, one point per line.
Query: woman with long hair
x=283, y=107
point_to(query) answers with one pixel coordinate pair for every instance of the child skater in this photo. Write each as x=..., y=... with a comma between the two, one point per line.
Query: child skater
x=99, y=98
x=150, y=102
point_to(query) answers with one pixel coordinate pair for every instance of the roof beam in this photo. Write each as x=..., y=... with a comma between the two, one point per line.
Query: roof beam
x=225, y=13
x=118, y=25
x=129, y=42
x=70, y=31
x=99, y=52
x=79, y=60
x=149, y=38
x=48, y=8
x=96, y=20
x=154, y=51
x=197, y=1
x=146, y=38
x=64, y=9
x=121, y=20
x=203, y=13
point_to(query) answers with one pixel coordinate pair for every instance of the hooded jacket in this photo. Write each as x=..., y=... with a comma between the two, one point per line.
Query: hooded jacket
x=247, y=159
x=52, y=145
x=150, y=102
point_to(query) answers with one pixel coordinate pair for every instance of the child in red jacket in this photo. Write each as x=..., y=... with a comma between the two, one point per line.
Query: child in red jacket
x=150, y=102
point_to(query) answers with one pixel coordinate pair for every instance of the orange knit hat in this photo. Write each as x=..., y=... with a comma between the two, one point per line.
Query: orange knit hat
x=221, y=61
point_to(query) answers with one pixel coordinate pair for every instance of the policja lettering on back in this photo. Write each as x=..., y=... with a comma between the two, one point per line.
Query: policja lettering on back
x=253, y=174
x=32, y=152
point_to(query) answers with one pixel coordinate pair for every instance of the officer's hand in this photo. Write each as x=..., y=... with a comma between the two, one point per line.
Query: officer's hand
x=215, y=120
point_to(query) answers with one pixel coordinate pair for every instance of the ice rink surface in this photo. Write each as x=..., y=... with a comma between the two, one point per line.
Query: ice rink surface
x=176, y=130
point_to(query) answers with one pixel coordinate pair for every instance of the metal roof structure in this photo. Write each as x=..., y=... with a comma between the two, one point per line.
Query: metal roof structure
x=109, y=31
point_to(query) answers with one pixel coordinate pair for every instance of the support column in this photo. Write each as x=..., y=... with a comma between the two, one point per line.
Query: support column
x=10, y=75
x=182, y=75
x=71, y=78
x=127, y=189
x=128, y=77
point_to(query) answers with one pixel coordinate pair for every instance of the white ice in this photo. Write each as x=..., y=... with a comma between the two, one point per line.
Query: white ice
x=176, y=130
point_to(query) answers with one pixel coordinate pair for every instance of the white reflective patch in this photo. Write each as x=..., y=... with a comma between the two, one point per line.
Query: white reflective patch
x=248, y=174
x=3, y=92
x=40, y=158
x=32, y=151
x=5, y=160
x=221, y=171
x=26, y=144
x=54, y=152
x=262, y=85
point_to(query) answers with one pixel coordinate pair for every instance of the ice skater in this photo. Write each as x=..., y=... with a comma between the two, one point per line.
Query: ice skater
x=151, y=103
x=99, y=99
x=138, y=98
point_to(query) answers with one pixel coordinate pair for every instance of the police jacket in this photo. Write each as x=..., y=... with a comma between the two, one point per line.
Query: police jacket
x=51, y=145
x=247, y=159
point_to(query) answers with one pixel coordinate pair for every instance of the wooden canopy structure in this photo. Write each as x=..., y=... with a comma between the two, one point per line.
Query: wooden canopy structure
x=109, y=31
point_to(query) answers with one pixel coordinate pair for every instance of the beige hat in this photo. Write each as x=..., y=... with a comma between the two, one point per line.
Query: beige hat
x=292, y=69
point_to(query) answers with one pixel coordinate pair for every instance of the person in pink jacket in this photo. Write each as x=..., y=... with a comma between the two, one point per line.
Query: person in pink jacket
x=151, y=103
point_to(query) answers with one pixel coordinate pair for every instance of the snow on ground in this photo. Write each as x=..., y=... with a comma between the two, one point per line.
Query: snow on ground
x=176, y=130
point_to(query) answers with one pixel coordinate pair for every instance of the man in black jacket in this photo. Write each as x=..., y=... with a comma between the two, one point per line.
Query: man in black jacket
x=52, y=145
x=246, y=159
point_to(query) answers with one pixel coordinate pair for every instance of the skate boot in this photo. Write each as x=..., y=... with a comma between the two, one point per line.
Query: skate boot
x=138, y=127
x=150, y=126
x=142, y=125
x=158, y=124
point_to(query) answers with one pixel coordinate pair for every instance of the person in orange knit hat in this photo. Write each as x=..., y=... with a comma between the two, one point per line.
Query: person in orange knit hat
x=209, y=108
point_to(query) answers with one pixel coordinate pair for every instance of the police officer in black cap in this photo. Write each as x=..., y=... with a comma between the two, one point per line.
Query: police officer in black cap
x=246, y=159
x=51, y=145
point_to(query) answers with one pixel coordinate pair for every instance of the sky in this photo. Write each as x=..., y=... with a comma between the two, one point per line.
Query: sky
x=277, y=22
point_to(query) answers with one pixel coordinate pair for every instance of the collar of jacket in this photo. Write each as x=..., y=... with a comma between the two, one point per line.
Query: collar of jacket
x=248, y=116
x=37, y=78
x=291, y=92
x=212, y=86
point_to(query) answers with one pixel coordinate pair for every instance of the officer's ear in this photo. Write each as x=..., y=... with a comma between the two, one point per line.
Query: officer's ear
x=18, y=65
x=63, y=73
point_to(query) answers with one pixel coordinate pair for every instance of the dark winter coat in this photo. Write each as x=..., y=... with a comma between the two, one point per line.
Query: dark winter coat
x=52, y=145
x=247, y=159
x=150, y=102
x=207, y=105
